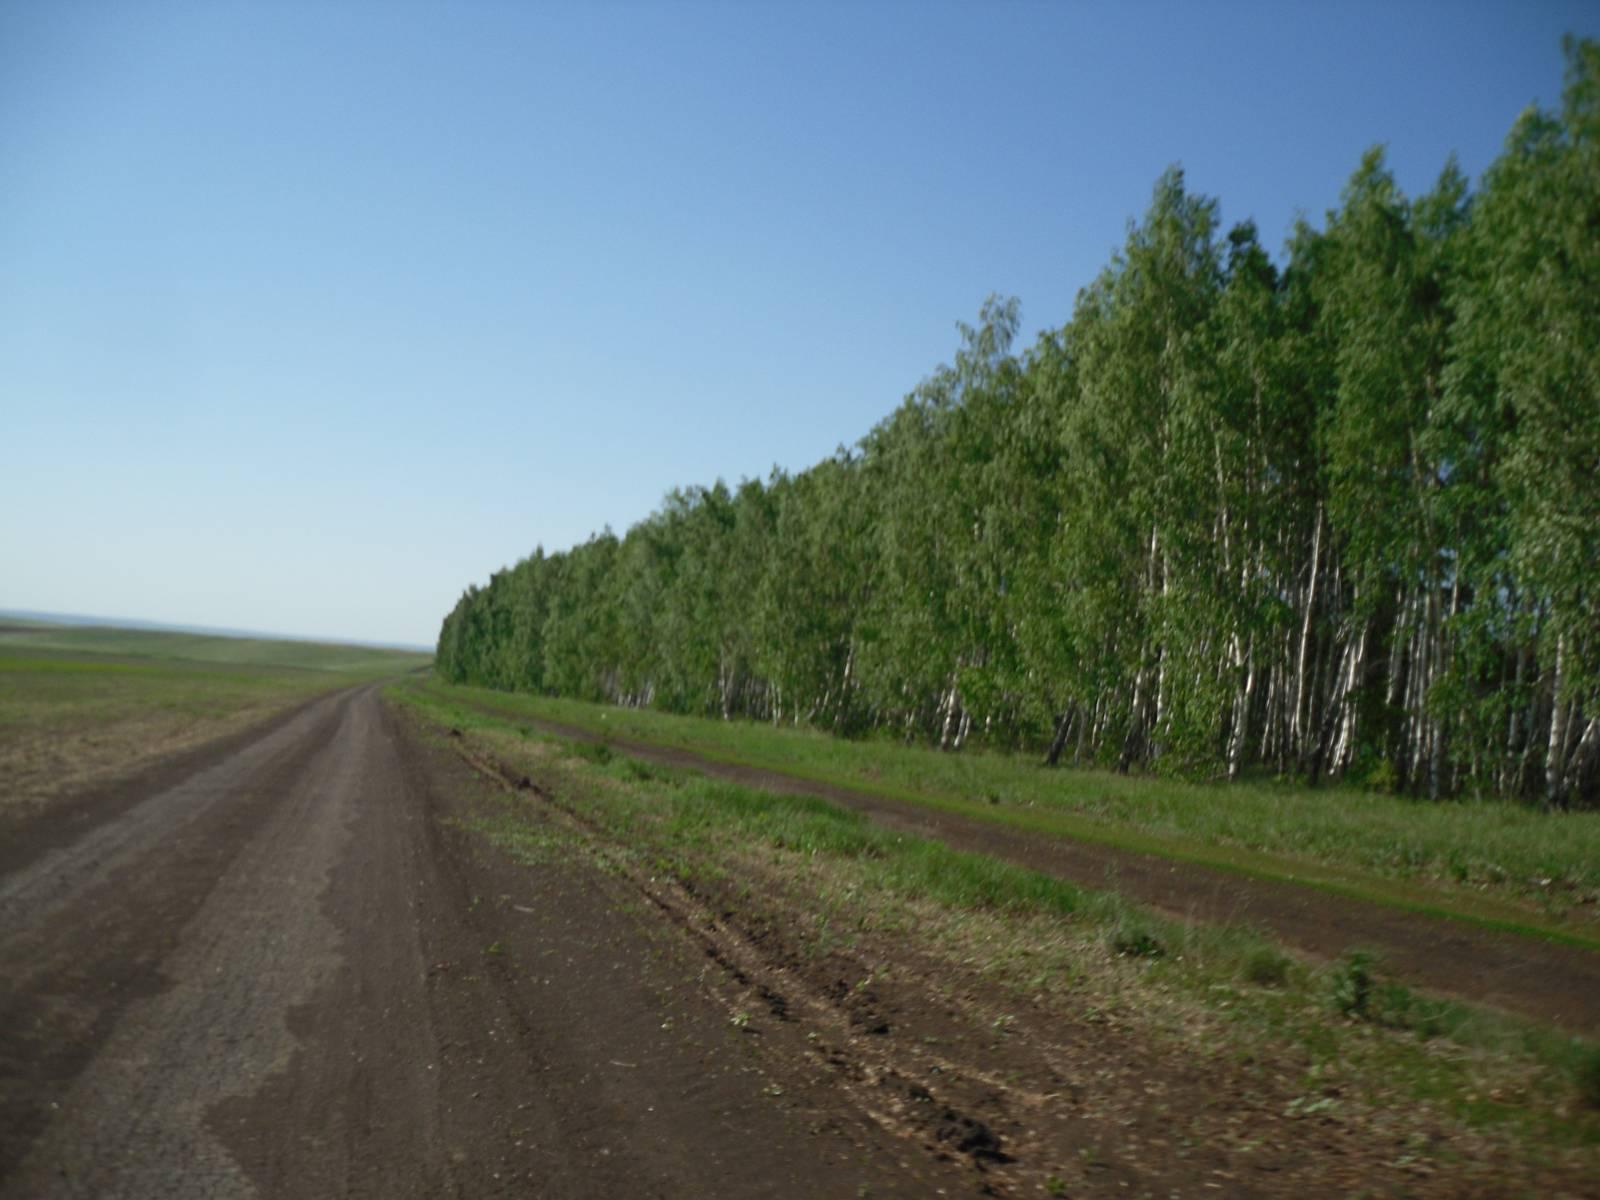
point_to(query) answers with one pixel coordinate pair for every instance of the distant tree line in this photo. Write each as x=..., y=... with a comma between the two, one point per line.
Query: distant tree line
x=1338, y=518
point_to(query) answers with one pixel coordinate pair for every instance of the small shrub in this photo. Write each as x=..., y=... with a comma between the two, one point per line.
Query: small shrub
x=1350, y=986
x=642, y=772
x=1266, y=967
x=1430, y=1022
x=1382, y=777
x=1398, y=1007
x=595, y=752
x=1134, y=939
x=1356, y=992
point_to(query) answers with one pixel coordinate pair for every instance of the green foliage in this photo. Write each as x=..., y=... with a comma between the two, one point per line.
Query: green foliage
x=1356, y=991
x=1338, y=519
x=1266, y=966
x=1350, y=985
x=1132, y=938
x=595, y=752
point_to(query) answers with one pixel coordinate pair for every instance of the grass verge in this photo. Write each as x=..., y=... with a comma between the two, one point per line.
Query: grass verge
x=1495, y=865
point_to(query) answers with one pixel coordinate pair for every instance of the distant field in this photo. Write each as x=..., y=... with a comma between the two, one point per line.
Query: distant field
x=189, y=647
x=80, y=703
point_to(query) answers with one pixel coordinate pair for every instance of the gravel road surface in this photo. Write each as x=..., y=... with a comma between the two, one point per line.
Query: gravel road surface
x=282, y=969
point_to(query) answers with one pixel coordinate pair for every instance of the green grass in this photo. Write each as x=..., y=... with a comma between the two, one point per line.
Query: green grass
x=44, y=690
x=1082, y=950
x=1492, y=864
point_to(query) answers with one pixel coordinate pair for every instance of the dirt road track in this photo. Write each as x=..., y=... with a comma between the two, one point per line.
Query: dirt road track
x=1527, y=976
x=281, y=972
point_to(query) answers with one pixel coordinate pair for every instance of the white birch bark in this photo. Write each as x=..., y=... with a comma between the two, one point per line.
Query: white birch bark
x=1296, y=726
x=1555, y=754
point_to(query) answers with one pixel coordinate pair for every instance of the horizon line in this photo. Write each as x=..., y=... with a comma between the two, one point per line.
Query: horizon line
x=60, y=618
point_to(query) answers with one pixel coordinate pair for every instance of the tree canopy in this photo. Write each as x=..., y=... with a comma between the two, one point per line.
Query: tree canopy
x=1338, y=517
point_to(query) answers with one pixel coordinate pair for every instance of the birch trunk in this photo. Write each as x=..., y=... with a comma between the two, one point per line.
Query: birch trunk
x=1296, y=726
x=1555, y=756
x=1584, y=754
x=1059, y=742
x=947, y=728
x=1241, y=713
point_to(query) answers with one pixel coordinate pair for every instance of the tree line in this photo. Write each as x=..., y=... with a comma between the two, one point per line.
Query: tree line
x=1335, y=518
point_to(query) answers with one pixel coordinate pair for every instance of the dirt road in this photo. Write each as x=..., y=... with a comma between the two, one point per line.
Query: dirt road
x=291, y=964
x=278, y=969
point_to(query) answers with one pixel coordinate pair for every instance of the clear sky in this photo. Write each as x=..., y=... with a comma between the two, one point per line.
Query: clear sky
x=312, y=314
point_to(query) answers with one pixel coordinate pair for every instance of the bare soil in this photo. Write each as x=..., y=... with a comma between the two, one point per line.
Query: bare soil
x=1527, y=976
x=286, y=971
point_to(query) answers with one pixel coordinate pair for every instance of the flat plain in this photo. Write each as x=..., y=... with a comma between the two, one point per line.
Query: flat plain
x=82, y=704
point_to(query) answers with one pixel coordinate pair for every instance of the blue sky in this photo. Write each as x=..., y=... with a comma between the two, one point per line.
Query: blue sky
x=312, y=314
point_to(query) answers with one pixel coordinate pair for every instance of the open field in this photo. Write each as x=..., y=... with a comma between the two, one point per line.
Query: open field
x=78, y=704
x=1492, y=863
x=1102, y=1046
x=355, y=660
